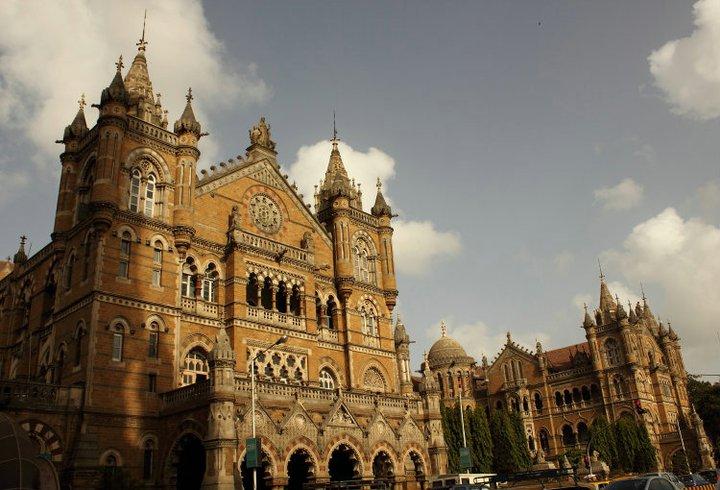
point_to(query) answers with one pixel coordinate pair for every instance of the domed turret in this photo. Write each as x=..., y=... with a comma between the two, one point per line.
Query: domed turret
x=447, y=350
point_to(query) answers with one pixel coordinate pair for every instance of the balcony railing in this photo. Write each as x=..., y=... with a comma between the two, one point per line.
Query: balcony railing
x=34, y=395
x=328, y=335
x=200, y=307
x=285, y=320
x=195, y=391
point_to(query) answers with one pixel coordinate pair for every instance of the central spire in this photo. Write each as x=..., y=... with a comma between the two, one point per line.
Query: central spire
x=139, y=86
x=607, y=303
x=336, y=182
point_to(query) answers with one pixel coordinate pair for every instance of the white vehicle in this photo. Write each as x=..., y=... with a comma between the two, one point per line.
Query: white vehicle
x=462, y=481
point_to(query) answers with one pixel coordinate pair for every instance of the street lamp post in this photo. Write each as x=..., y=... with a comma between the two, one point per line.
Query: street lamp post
x=279, y=341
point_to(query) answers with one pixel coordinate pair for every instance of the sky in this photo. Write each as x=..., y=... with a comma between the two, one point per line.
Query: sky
x=519, y=142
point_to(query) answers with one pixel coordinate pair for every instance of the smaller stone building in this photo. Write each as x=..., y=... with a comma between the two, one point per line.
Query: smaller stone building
x=631, y=365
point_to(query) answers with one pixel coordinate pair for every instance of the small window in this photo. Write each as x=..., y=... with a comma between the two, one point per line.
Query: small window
x=150, y=196
x=134, y=202
x=148, y=459
x=117, y=345
x=69, y=272
x=209, y=284
x=157, y=263
x=327, y=380
x=153, y=345
x=125, y=247
x=152, y=383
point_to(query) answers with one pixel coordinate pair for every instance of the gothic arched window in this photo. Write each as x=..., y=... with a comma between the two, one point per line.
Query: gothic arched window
x=544, y=440
x=148, y=459
x=195, y=367
x=125, y=247
x=612, y=352
x=117, y=343
x=134, y=202
x=281, y=298
x=568, y=435
x=69, y=267
x=369, y=320
x=538, y=401
x=209, y=284
x=295, y=300
x=153, y=340
x=363, y=262
x=150, y=196
x=86, y=258
x=252, y=290
x=327, y=379
x=189, y=279
x=331, y=307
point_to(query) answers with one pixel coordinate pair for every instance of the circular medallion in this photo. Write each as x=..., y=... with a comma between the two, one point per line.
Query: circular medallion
x=264, y=213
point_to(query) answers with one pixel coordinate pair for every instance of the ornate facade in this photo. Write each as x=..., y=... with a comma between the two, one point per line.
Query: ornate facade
x=630, y=365
x=127, y=341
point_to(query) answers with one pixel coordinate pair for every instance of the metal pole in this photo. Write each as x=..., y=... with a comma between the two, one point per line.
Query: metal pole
x=682, y=443
x=252, y=397
x=462, y=419
x=590, y=475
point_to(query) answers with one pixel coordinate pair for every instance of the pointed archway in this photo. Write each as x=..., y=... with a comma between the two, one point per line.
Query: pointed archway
x=189, y=462
x=300, y=469
x=344, y=464
x=264, y=474
x=382, y=466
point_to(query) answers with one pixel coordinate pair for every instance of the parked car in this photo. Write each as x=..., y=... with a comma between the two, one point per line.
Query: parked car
x=669, y=476
x=652, y=482
x=693, y=480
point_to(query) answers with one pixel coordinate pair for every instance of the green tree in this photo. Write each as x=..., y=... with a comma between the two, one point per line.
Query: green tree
x=706, y=399
x=523, y=453
x=480, y=442
x=645, y=457
x=602, y=440
x=626, y=440
x=453, y=438
x=507, y=450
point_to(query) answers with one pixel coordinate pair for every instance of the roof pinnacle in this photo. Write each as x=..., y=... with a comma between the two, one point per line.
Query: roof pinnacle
x=142, y=43
x=443, y=329
x=82, y=102
x=119, y=64
x=189, y=95
x=602, y=275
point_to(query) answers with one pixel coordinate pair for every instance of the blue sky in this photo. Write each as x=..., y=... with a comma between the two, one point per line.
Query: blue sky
x=519, y=141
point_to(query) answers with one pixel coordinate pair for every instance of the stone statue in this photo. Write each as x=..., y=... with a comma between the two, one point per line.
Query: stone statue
x=260, y=135
x=307, y=242
x=235, y=219
x=595, y=456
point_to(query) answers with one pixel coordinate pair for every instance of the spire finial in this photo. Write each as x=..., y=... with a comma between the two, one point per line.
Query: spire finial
x=378, y=184
x=443, y=328
x=142, y=43
x=602, y=275
x=119, y=64
x=642, y=290
x=81, y=102
x=23, y=239
x=189, y=95
x=334, y=138
x=585, y=307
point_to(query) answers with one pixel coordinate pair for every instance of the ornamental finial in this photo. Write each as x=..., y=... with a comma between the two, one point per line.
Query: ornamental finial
x=378, y=184
x=142, y=43
x=119, y=64
x=602, y=275
x=443, y=329
x=81, y=102
x=189, y=95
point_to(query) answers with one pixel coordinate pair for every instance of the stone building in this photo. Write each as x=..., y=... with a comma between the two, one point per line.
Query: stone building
x=126, y=342
x=631, y=365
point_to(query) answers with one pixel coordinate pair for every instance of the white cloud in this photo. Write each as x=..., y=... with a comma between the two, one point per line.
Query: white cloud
x=625, y=195
x=417, y=244
x=48, y=60
x=707, y=201
x=679, y=256
x=687, y=70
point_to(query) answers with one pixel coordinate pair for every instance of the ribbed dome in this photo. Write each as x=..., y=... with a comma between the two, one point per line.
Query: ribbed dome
x=446, y=350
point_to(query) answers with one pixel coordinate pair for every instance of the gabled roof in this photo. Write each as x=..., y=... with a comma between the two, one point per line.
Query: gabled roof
x=563, y=358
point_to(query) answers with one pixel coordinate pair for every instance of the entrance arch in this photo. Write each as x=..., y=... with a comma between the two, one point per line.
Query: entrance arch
x=188, y=462
x=344, y=463
x=382, y=466
x=414, y=469
x=300, y=469
x=264, y=474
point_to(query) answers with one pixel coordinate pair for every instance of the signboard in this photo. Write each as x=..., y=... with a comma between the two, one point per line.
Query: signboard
x=465, y=462
x=252, y=452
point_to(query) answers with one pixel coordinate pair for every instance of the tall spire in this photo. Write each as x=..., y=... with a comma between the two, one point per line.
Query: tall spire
x=587, y=321
x=607, y=303
x=139, y=85
x=336, y=182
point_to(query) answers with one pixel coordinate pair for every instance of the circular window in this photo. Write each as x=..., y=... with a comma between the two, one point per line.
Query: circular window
x=264, y=213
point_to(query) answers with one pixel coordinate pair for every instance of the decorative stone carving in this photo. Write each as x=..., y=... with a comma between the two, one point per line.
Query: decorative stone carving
x=373, y=380
x=260, y=135
x=307, y=242
x=235, y=219
x=264, y=213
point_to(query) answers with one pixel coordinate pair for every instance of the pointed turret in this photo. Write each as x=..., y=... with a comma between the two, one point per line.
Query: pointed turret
x=607, y=303
x=633, y=315
x=671, y=333
x=638, y=310
x=187, y=122
x=20, y=256
x=621, y=314
x=663, y=330
x=337, y=183
x=381, y=207
x=78, y=127
x=137, y=82
x=116, y=91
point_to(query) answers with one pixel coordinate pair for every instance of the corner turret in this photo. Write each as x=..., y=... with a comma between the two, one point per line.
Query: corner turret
x=20, y=256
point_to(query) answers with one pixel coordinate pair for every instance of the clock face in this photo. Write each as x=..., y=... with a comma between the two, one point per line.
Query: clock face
x=265, y=213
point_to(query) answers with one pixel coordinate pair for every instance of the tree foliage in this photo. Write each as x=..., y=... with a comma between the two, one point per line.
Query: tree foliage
x=480, y=442
x=627, y=443
x=706, y=399
x=508, y=448
x=646, y=456
x=453, y=436
x=602, y=440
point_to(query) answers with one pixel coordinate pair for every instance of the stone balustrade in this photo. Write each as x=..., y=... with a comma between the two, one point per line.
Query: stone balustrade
x=31, y=394
x=200, y=307
x=276, y=318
